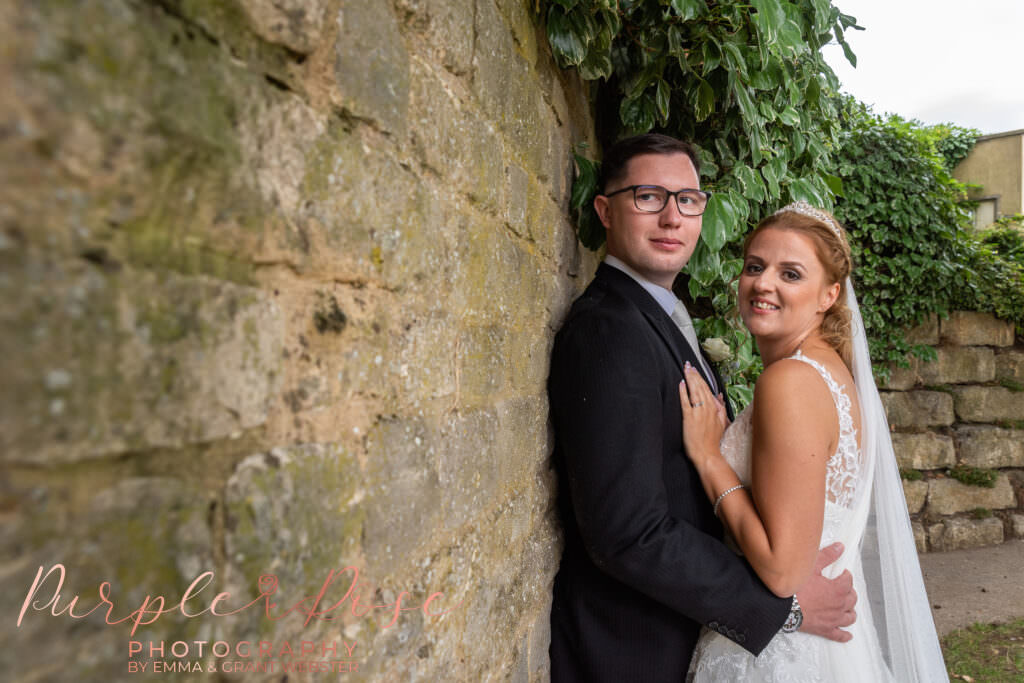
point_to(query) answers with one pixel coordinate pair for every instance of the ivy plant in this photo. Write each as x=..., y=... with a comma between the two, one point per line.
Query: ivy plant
x=911, y=234
x=747, y=83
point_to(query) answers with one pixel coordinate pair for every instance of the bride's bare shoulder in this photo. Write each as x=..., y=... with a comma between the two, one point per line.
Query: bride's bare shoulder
x=791, y=389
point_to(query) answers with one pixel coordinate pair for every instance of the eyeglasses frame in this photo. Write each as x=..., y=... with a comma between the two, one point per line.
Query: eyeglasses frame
x=668, y=195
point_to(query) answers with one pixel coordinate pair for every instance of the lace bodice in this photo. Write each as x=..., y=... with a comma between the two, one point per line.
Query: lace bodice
x=798, y=657
x=843, y=468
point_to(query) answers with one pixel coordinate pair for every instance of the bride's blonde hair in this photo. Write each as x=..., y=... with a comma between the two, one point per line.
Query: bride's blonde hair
x=833, y=251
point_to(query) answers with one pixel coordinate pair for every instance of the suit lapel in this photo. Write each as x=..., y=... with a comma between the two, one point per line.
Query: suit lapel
x=626, y=286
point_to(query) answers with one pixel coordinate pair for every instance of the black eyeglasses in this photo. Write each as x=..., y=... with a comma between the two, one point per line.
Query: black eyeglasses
x=654, y=198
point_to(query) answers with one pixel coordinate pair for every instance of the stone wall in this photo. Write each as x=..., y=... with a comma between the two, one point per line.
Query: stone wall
x=961, y=413
x=279, y=282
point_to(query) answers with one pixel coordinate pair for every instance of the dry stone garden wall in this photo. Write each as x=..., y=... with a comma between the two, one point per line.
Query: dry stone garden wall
x=279, y=280
x=958, y=422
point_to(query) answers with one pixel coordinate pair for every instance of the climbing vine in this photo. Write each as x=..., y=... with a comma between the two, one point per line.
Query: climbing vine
x=747, y=83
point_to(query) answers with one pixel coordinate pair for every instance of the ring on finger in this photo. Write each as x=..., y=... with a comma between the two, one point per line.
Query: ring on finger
x=698, y=404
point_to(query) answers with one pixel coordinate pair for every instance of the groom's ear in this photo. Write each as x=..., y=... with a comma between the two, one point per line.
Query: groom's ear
x=602, y=208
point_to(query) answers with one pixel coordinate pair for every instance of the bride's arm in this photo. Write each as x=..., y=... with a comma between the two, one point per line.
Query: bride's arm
x=778, y=524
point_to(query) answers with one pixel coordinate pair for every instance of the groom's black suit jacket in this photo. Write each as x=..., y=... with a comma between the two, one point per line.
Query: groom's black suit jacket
x=643, y=565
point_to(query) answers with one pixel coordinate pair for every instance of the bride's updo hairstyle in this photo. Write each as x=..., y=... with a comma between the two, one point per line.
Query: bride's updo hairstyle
x=833, y=251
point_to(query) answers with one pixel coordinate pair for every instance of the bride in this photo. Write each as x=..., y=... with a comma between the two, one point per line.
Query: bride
x=808, y=463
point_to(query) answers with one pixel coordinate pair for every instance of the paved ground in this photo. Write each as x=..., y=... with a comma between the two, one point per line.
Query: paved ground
x=968, y=586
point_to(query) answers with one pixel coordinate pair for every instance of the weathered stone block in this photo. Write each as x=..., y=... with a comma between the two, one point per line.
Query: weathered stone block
x=957, y=534
x=427, y=365
x=447, y=29
x=522, y=440
x=293, y=513
x=117, y=362
x=403, y=237
x=925, y=333
x=488, y=254
x=916, y=492
x=517, y=199
x=275, y=147
x=520, y=22
x=296, y=24
x=949, y=496
x=469, y=466
x=508, y=90
x=924, y=451
x=530, y=350
x=483, y=364
x=455, y=140
x=918, y=408
x=144, y=536
x=958, y=365
x=968, y=328
x=404, y=503
x=952, y=365
x=901, y=379
x=1017, y=521
x=988, y=404
x=544, y=218
x=920, y=537
x=371, y=67
x=540, y=642
x=991, y=447
x=1010, y=365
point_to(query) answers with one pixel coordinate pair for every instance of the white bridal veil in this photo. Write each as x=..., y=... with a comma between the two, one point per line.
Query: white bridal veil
x=892, y=572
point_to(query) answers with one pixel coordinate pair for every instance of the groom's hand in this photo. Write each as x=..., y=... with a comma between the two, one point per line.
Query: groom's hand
x=828, y=604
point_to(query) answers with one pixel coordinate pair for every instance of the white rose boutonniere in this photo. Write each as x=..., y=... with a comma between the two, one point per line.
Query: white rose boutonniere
x=716, y=349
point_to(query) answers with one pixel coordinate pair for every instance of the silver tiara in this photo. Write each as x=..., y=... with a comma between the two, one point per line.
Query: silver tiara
x=806, y=209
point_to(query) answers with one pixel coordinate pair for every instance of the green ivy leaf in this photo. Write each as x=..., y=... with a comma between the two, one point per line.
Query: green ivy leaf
x=750, y=180
x=705, y=101
x=663, y=97
x=769, y=19
x=585, y=185
x=719, y=218
x=637, y=114
x=597, y=65
x=801, y=188
x=751, y=117
x=689, y=9
x=567, y=42
x=789, y=116
x=704, y=264
x=712, y=54
x=835, y=184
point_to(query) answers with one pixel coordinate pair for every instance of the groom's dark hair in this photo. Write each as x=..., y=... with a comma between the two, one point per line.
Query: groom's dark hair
x=613, y=166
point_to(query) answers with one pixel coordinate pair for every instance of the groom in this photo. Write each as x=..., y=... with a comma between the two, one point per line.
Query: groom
x=643, y=566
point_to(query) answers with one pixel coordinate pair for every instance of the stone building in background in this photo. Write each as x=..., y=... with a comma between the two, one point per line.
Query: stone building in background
x=996, y=165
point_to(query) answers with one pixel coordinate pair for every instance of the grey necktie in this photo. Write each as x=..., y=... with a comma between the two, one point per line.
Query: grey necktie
x=681, y=317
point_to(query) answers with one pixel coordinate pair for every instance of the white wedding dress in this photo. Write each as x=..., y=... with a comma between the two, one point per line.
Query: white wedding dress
x=798, y=657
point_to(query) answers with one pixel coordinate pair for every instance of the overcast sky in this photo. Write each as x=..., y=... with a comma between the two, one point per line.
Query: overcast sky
x=938, y=61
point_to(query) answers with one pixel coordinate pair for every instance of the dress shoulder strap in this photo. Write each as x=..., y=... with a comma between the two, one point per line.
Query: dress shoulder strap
x=833, y=385
x=839, y=396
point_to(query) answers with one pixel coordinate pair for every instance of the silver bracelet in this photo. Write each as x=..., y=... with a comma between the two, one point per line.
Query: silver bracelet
x=718, y=501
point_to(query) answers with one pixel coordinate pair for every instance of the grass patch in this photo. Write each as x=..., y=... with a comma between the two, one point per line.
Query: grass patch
x=993, y=653
x=974, y=476
x=911, y=475
x=1011, y=424
x=981, y=513
x=1012, y=385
